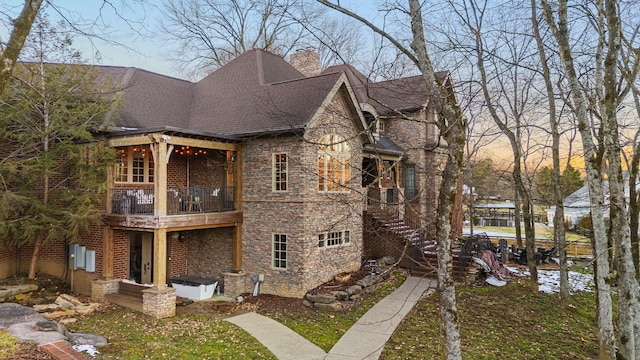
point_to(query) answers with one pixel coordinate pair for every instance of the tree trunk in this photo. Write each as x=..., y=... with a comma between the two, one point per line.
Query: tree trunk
x=34, y=257
x=606, y=334
x=559, y=235
x=21, y=28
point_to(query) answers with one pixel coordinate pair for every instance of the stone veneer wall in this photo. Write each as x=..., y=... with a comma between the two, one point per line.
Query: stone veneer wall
x=302, y=212
x=420, y=140
x=209, y=252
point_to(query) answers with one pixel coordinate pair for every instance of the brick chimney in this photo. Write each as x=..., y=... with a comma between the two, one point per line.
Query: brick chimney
x=307, y=61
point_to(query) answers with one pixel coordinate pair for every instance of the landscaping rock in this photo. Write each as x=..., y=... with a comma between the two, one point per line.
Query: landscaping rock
x=48, y=308
x=11, y=313
x=68, y=301
x=307, y=303
x=8, y=291
x=340, y=295
x=354, y=289
x=26, y=332
x=334, y=306
x=86, y=339
x=386, y=261
x=369, y=280
x=86, y=309
x=59, y=314
x=321, y=298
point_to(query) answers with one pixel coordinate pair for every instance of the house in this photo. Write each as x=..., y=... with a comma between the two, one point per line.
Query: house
x=255, y=178
x=577, y=205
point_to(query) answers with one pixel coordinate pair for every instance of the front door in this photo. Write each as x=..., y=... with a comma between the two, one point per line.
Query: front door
x=141, y=257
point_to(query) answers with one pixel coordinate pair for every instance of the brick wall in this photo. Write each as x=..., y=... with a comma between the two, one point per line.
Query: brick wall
x=178, y=255
x=208, y=252
x=300, y=213
x=7, y=262
x=121, y=254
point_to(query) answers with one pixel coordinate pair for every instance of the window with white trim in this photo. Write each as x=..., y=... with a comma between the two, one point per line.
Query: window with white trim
x=334, y=156
x=280, y=172
x=279, y=253
x=134, y=164
x=333, y=238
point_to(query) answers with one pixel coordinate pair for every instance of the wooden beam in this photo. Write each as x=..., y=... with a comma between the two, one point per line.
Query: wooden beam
x=160, y=175
x=107, y=252
x=173, y=222
x=131, y=141
x=160, y=258
x=238, y=180
x=236, y=248
x=205, y=144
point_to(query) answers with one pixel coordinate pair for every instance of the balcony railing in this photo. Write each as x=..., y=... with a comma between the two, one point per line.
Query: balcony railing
x=191, y=200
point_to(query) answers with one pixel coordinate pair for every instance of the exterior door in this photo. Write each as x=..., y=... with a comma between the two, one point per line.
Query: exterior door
x=141, y=257
x=147, y=258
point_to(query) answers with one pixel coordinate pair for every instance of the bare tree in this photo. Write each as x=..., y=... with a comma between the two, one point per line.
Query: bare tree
x=507, y=86
x=207, y=34
x=21, y=27
x=558, y=219
x=602, y=99
x=453, y=129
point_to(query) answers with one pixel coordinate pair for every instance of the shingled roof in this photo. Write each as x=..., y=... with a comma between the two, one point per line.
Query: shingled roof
x=258, y=92
x=403, y=94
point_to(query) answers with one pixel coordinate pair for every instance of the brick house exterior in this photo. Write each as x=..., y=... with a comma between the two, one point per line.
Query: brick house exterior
x=253, y=173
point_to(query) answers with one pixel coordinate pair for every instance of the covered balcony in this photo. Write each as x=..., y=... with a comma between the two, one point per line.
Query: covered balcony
x=169, y=180
x=191, y=200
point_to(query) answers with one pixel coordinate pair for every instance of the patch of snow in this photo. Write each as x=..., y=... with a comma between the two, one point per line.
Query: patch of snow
x=549, y=280
x=89, y=349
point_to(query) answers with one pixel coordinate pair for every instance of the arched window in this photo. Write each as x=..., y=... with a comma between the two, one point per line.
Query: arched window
x=333, y=164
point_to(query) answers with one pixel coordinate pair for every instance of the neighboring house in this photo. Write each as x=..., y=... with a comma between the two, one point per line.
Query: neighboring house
x=577, y=206
x=254, y=174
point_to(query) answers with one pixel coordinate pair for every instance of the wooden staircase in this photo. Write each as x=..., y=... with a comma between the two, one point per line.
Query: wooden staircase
x=422, y=258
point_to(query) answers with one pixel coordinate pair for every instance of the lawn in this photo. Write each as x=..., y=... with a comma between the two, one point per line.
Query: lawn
x=495, y=323
x=506, y=322
x=132, y=335
x=542, y=231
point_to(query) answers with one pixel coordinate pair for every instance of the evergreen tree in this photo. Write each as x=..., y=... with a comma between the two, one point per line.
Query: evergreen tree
x=570, y=181
x=53, y=170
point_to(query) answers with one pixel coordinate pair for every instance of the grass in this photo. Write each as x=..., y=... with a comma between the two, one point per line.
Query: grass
x=8, y=344
x=506, y=322
x=541, y=231
x=325, y=329
x=132, y=335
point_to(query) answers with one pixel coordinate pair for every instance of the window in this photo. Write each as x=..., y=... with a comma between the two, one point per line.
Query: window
x=410, y=189
x=280, y=172
x=333, y=164
x=279, y=255
x=333, y=238
x=380, y=126
x=134, y=164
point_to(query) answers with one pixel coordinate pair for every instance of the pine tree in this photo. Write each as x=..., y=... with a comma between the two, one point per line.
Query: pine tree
x=53, y=169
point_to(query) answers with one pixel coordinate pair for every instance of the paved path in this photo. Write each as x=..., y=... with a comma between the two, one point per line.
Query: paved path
x=283, y=342
x=364, y=340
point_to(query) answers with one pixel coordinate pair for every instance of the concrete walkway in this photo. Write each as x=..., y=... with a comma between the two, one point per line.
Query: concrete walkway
x=364, y=340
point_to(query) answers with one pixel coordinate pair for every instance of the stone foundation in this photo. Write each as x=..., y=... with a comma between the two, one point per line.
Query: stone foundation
x=159, y=302
x=234, y=284
x=100, y=288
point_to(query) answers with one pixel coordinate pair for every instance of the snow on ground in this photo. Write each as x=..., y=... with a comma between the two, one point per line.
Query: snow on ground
x=549, y=280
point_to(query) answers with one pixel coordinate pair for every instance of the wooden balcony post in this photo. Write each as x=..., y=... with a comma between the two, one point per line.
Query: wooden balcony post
x=160, y=258
x=237, y=200
x=107, y=252
x=160, y=174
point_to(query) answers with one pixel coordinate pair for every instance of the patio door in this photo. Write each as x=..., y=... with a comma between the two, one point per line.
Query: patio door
x=141, y=257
